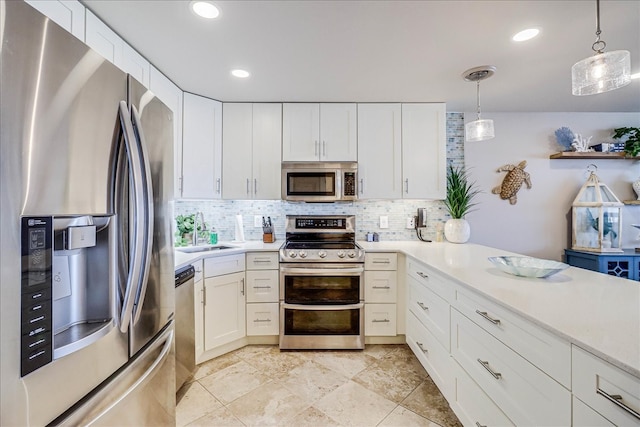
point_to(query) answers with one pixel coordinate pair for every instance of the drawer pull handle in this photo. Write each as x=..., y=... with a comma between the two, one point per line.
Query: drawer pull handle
x=422, y=306
x=262, y=287
x=261, y=320
x=386, y=261
x=496, y=375
x=489, y=318
x=262, y=260
x=616, y=399
x=381, y=287
x=380, y=321
x=421, y=274
x=480, y=425
x=424, y=350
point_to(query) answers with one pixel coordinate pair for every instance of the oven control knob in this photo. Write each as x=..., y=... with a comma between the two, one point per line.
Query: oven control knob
x=351, y=254
x=341, y=254
x=322, y=254
x=292, y=254
x=303, y=254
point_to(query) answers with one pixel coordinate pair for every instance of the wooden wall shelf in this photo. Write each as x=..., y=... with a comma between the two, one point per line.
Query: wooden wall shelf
x=631, y=202
x=590, y=155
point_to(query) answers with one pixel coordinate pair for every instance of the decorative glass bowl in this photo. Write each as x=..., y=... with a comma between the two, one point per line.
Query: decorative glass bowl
x=527, y=266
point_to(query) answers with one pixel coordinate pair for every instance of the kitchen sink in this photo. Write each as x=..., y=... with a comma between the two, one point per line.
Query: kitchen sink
x=204, y=248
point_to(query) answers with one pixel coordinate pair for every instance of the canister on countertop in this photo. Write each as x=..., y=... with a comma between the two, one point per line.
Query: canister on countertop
x=213, y=236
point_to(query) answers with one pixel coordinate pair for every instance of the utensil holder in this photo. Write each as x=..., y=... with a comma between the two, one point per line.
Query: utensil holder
x=268, y=237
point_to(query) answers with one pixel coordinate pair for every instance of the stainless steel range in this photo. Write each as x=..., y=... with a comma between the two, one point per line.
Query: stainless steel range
x=321, y=284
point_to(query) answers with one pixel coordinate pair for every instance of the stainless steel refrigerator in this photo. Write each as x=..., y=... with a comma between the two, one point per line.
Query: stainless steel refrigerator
x=86, y=260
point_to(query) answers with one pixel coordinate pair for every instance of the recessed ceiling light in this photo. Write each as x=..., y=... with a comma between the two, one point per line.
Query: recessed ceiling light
x=205, y=9
x=527, y=34
x=242, y=74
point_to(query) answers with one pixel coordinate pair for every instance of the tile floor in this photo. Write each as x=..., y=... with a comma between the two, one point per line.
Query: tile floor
x=384, y=385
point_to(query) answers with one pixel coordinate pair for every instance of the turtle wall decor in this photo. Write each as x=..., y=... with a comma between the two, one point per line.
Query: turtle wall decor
x=512, y=181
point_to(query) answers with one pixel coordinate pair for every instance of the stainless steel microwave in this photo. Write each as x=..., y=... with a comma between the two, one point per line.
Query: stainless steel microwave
x=319, y=181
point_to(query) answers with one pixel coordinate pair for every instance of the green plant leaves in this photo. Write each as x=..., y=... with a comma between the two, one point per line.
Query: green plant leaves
x=460, y=192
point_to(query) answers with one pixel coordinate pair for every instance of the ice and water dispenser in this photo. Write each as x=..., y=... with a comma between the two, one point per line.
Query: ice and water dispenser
x=69, y=297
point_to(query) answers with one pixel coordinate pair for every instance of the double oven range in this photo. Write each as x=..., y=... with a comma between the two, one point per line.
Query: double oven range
x=321, y=284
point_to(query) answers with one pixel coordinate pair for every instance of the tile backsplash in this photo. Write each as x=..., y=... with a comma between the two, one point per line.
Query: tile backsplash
x=221, y=213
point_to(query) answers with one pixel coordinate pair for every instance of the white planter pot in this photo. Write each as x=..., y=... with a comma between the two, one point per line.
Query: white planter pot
x=636, y=188
x=457, y=230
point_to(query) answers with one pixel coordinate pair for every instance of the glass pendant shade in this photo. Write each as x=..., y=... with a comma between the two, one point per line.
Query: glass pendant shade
x=479, y=130
x=601, y=72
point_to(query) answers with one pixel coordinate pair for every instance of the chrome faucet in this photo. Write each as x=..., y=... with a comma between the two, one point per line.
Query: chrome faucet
x=195, y=227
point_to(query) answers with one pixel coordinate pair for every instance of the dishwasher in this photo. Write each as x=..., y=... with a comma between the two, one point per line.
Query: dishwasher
x=185, y=325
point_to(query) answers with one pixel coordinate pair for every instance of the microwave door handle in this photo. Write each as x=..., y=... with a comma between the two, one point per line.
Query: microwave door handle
x=146, y=215
x=338, y=184
x=136, y=240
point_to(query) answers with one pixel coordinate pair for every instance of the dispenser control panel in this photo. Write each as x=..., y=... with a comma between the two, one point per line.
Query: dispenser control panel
x=36, y=314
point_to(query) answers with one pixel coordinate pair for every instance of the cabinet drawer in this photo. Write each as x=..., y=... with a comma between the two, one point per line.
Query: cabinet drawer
x=427, y=277
x=431, y=354
x=263, y=319
x=430, y=309
x=471, y=404
x=541, y=347
x=380, y=286
x=595, y=379
x=380, y=320
x=381, y=261
x=584, y=416
x=262, y=285
x=523, y=392
x=220, y=265
x=262, y=261
x=199, y=270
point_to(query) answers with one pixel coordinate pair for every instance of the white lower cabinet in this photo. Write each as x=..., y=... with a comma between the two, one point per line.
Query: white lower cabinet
x=224, y=309
x=606, y=389
x=380, y=320
x=262, y=319
x=380, y=294
x=263, y=291
x=527, y=395
x=584, y=416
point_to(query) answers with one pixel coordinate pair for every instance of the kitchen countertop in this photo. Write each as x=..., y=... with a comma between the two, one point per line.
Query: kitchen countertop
x=595, y=311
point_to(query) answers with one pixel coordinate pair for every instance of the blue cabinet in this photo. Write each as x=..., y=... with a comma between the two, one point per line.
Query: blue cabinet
x=622, y=264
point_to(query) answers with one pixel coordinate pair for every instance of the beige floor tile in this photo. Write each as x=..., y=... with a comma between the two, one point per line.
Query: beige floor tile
x=221, y=417
x=402, y=417
x=269, y=404
x=312, y=381
x=378, y=350
x=234, y=381
x=347, y=363
x=353, y=405
x=390, y=379
x=403, y=357
x=215, y=365
x=195, y=402
x=427, y=401
x=313, y=417
x=253, y=350
x=273, y=362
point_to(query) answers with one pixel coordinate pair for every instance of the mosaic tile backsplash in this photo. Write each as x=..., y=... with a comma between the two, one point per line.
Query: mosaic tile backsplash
x=221, y=213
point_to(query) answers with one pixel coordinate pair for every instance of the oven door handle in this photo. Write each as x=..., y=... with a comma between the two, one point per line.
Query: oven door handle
x=322, y=271
x=301, y=307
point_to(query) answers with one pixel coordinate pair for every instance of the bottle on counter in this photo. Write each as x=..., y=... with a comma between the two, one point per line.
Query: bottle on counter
x=213, y=236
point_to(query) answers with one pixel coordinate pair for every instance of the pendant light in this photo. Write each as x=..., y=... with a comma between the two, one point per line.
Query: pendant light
x=479, y=130
x=601, y=72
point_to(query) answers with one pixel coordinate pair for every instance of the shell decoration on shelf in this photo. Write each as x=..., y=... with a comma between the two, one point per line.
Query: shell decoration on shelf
x=512, y=181
x=581, y=144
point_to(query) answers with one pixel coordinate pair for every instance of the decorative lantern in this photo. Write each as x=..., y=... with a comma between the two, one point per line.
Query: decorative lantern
x=596, y=218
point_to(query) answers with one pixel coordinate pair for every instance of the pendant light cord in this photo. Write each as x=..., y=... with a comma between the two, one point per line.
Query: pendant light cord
x=599, y=45
x=478, y=98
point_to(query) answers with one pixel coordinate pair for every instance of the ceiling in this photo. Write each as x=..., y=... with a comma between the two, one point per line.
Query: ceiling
x=383, y=51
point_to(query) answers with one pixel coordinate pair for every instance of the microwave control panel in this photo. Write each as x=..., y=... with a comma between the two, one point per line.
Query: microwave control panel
x=349, y=183
x=36, y=348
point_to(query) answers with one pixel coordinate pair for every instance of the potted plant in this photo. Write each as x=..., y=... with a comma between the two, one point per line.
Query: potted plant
x=459, y=202
x=632, y=143
x=185, y=225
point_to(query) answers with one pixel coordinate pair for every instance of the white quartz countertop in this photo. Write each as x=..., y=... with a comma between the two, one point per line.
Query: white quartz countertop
x=597, y=312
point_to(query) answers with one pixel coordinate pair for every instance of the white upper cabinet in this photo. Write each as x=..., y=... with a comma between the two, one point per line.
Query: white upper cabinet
x=171, y=96
x=424, y=162
x=326, y=132
x=69, y=14
x=252, y=138
x=201, y=148
x=380, y=151
x=107, y=43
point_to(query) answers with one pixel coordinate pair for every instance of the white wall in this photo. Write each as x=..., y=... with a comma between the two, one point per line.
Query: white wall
x=538, y=224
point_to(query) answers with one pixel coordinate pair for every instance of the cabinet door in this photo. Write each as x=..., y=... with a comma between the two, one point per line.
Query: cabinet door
x=380, y=151
x=201, y=148
x=300, y=132
x=224, y=309
x=380, y=320
x=267, y=146
x=69, y=14
x=338, y=132
x=198, y=312
x=237, y=134
x=424, y=151
x=171, y=96
x=263, y=319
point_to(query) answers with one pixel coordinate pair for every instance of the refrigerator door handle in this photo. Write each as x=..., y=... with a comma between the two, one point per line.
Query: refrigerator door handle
x=136, y=244
x=146, y=216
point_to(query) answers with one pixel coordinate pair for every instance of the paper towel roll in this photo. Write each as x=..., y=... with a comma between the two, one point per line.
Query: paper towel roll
x=239, y=232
